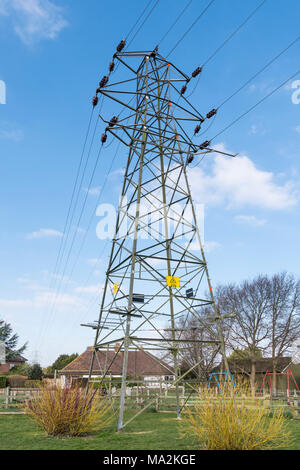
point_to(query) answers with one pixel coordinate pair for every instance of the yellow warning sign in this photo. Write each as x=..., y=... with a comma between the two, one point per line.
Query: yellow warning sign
x=173, y=281
x=115, y=288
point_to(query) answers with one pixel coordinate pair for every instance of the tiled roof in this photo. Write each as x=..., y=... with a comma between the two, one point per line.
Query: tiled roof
x=17, y=358
x=140, y=363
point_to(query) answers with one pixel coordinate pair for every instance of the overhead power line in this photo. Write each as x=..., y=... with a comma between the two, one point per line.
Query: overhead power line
x=56, y=298
x=52, y=279
x=190, y=28
x=253, y=107
x=238, y=90
x=233, y=33
x=138, y=19
x=68, y=223
x=258, y=103
x=259, y=71
x=94, y=211
x=175, y=22
x=240, y=26
x=146, y=18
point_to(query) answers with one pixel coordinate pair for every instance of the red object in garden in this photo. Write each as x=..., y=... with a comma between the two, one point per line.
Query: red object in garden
x=288, y=374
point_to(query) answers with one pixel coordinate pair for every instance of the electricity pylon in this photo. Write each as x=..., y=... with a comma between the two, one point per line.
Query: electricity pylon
x=157, y=272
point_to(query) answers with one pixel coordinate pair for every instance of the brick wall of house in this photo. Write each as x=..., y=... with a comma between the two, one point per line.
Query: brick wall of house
x=5, y=368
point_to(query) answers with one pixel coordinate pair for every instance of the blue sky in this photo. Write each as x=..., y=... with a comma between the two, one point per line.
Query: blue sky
x=53, y=54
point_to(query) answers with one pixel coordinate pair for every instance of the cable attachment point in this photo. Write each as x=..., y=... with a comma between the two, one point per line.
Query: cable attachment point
x=183, y=90
x=154, y=52
x=103, y=81
x=211, y=113
x=204, y=144
x=189, y=159
x=196, y=72
x=113, y=121
x=121, y=45
x=197, y=129
x=95, y=101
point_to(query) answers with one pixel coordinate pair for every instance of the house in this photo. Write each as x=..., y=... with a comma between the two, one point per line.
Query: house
x=6, y=366
x=141, y=366
x=242, y=368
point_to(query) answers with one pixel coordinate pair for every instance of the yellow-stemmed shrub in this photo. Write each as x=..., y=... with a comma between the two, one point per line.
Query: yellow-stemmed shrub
x=69, y=411
x=234, y=419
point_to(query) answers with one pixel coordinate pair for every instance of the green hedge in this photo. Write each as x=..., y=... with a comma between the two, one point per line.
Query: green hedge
x=3, y=381
x=32, y=383
x=16, y=381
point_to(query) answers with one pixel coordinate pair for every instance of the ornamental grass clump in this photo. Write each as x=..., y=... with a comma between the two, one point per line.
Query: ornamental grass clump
x=69, y=411
x=235, y=420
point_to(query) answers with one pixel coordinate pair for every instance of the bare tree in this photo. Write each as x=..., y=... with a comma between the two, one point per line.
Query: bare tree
x=284, y=316
x=196, y=351
x=198, y=331
x=249, y=301
x=266, y=320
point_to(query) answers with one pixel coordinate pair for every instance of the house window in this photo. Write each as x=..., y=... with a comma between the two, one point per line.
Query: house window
x=169, y=378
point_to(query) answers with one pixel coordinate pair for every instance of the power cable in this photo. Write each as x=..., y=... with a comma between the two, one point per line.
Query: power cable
x=259, y=72
x=150, y=12
x=190, y=28
x=175, y=22
x=141, y=15
x=250, y=80
x=74, y=236
x=71, y=200
x=253, y=107
x=226, y=41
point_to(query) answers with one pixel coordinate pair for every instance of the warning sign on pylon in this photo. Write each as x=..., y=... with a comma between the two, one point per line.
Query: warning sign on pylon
x=173, y=281
x=115, y=288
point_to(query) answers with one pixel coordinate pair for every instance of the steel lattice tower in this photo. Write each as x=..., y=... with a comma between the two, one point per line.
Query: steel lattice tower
x=153, y=248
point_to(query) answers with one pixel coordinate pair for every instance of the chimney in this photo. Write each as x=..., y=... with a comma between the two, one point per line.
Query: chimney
x=117, y=345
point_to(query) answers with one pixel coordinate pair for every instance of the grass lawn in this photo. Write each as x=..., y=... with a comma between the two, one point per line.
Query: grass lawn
x=150, y=431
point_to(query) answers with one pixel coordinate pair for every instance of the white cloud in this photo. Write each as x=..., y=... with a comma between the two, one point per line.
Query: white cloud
x=30, y=284
x=45, y=233
x=80, y=230
x=89, y=289
x=47, y=276
x=40, y=302
x=264, y=86
x=257, y=129
x=34, y=20
x=237, y=182
x=93, y=191
x=210, y=246
x=117, y=172
x=250, y=220
x=93, y=261
x=11, y=134
x=14, y=304
x=44, y=299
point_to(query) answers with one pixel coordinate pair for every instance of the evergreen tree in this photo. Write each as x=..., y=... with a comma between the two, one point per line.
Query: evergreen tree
x=10, y=340
x=36, y=372
x=62, y=361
